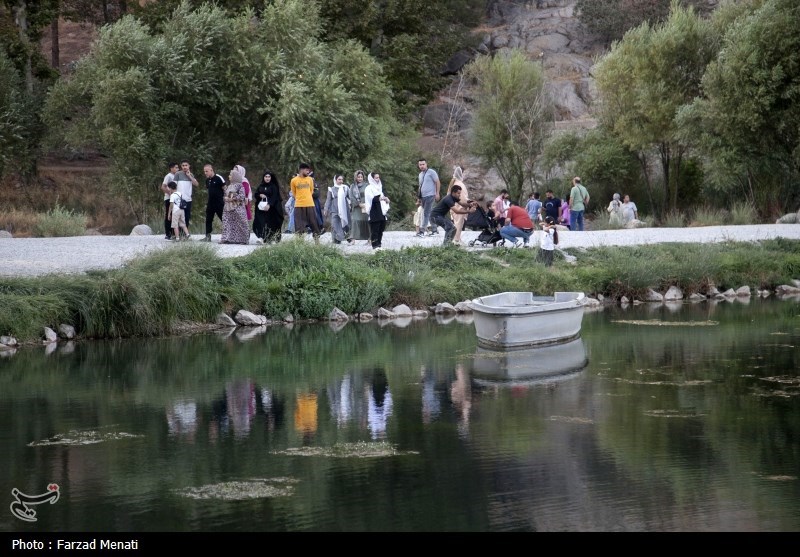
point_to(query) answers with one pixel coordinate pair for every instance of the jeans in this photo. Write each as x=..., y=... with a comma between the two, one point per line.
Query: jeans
x=576, y=220
x=427, y=206
x=510, y=233
x=449, y=228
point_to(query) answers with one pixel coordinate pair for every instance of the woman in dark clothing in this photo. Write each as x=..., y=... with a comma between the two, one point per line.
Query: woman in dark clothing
x=378, y=205
x=267, y=224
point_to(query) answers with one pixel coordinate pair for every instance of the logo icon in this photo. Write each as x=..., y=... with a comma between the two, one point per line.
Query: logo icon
x=21, y=508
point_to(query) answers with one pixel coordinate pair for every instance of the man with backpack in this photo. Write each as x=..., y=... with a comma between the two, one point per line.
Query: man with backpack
x=578, y=200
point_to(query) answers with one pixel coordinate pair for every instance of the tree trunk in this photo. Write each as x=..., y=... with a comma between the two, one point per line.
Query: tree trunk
x=679, y=162
x=106, y=15
x=123, y=8
x=55, y=52
x=642, y=157
x=663, y=150
x=20, y=11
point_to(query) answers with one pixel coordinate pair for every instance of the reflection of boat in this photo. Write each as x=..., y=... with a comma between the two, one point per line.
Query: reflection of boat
x=518, y=319
x=543, y=364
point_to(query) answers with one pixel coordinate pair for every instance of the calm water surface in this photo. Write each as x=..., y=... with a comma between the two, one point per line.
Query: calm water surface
x=660, y=419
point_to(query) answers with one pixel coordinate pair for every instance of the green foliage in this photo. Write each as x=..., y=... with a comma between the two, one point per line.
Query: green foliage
x=606, y=164
x=59, y=221
x=512, y=117
x=674, y=219
x=646, y=79
x=745, y=124
x=15, y=115
x=263, y=91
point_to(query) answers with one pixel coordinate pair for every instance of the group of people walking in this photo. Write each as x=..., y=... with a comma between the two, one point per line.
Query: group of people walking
x=233, y=201
x=357, y=211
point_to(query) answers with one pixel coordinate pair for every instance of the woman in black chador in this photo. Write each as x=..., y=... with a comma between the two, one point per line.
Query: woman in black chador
x=267, y=224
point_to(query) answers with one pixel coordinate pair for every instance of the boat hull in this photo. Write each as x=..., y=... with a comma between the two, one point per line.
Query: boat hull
x=520, y=319
x=528, y=366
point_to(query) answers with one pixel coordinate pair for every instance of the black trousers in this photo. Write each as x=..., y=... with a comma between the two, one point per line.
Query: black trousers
x=188, y=212
x=214, y=207
x=167, y=222
x=376, y=228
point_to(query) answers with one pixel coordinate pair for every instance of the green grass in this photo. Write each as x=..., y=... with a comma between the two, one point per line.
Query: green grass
x=709, y=216
x=191, y=283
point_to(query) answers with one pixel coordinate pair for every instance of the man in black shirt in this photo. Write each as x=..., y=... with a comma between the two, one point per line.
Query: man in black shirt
x=551, y=206
x=440, y=217
x=215, y=184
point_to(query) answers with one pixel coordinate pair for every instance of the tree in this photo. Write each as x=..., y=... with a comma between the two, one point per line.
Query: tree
x=646, y=78
x=513, y=116
x=264, y=91
x=17, y=118
x=746, y=122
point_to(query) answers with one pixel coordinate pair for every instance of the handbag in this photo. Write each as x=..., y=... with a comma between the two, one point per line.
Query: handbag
x=263, y=205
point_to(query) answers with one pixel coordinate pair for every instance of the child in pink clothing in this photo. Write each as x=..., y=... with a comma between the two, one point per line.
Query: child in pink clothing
x=564, y=219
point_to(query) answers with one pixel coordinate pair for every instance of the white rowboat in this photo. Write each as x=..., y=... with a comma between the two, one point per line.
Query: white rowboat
x=520, y=319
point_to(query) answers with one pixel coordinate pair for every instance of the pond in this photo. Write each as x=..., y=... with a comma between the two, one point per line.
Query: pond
x=659, y=418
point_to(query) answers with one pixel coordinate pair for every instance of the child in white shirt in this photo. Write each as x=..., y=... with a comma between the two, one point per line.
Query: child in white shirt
x=549, y=238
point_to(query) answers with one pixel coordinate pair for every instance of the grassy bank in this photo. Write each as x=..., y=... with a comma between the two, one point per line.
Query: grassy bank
x=190, y=283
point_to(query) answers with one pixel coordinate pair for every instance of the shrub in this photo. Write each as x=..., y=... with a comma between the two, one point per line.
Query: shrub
x=674, y=219
x=706, y=216
x=60, y=222
x=743, y=213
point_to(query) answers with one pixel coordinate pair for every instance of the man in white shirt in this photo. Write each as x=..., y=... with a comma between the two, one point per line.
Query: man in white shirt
x=186, y=180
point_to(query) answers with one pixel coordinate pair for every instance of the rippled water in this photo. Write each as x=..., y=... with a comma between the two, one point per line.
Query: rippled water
x=649, y=422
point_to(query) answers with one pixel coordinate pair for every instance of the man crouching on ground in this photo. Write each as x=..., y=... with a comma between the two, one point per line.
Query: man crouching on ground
x=440, y=213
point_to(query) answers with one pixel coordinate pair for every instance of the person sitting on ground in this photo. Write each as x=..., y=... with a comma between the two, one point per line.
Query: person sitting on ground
x=518, y=226
x=629, y=211
x=440, y=213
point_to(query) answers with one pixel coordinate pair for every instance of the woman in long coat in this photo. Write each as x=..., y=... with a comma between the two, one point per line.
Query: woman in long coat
x=359, y=218
x=267, y=224
x=234, y=214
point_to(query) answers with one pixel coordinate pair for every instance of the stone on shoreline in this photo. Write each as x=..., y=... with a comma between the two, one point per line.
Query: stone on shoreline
x=729, y=293
x=288, y=318
x=66, y=331
x=246, y=318
x=402, y=310
x=384, y=313
x=696, y=297
x=463, y=307
x=444, y=308
x=673, y=293
x=624, y=300
x=784, y=289
x=141, y=230
x=337, y=315
x=50, y=335
x=743, y=291
x=6, y=234
x=364, y=316
x=421, y=313
x=225, y=320
x=7, y=340
x=653, y=296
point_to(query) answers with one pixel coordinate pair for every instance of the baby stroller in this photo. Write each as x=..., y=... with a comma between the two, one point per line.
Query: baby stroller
x=479, y=220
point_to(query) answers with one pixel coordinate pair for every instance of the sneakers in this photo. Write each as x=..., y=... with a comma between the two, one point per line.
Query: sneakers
x=207, y=238
x=420, y=234
x=434, y=233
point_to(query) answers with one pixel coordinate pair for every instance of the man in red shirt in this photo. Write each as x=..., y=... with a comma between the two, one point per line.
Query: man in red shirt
x=518, y=226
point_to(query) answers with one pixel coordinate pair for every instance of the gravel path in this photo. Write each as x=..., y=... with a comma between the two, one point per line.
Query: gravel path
x=40, y=256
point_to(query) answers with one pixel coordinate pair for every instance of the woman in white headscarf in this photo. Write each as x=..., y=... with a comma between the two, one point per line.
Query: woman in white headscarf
x=248, y=192
x=459, y=218
x=234, y=215
x=377, y=205
x=359, y=222
x=337, y=206
x=615, y=211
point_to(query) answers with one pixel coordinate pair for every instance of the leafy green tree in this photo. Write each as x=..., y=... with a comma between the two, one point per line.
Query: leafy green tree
x=746, y=122
x=513, y=117
x=226, y=88
x=645, y=79
x=17, y=118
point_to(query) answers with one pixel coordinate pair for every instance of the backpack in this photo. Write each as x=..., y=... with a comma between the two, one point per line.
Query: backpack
x=182, y=204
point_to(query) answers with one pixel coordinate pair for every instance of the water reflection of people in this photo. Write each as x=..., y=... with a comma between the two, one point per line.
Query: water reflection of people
x=182, y=419
x=240, y=396
x=461, y=395
x=379, y=403
x=273, y=407
x=305, y=413
x=431, y=406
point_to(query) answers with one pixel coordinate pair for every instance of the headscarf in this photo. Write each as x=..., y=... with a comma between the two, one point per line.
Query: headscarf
x=458, y=180
x=374, y=188
x=616, y=197
x=236, y=175
x=340, y=194
x=458, y=174
x=355, y=176
x=247, y=191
